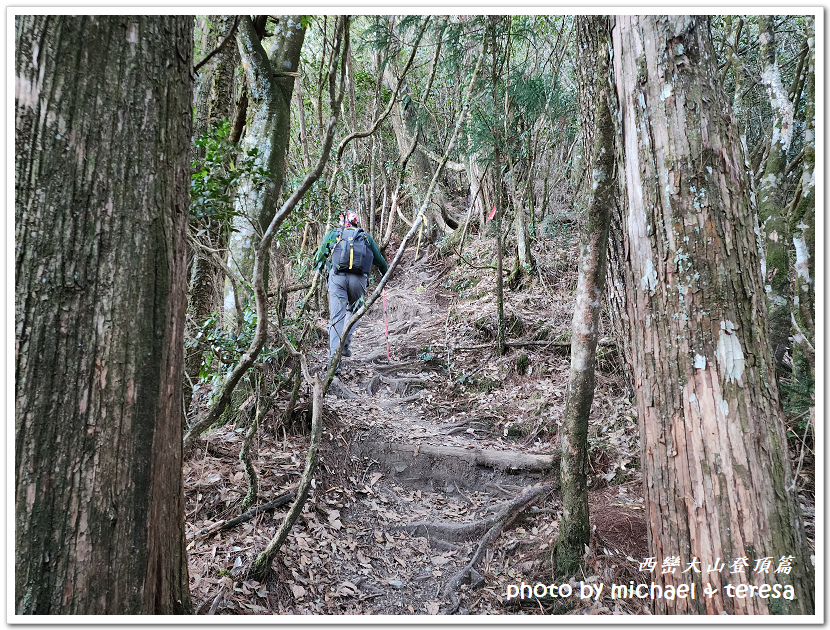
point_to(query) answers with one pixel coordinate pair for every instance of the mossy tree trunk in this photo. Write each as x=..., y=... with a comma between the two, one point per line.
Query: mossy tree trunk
x=804, y=229
x=771, y=195
x=102, y=129
x=717, y=473
x=574, y=528
x=270, y=88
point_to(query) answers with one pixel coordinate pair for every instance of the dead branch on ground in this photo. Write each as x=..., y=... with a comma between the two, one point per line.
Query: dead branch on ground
x=221, y=526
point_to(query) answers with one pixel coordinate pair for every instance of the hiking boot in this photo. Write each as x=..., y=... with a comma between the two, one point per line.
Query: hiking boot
x=347, y=352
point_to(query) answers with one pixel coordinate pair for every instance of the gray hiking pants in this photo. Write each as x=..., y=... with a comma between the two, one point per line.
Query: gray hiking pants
x=345, y=289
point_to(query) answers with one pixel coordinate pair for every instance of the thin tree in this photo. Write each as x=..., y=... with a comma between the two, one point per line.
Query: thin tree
x=495, y=74
x=717, y=473
x=102, y=129
x=593, y=39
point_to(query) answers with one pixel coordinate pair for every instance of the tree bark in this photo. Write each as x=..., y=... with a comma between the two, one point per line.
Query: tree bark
x=102, y=123
x=804, y=229
x=574, y=528
x=717, y=475
x=771, y=192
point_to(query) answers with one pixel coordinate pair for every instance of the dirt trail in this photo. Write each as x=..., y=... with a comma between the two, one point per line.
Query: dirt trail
x=423, y=438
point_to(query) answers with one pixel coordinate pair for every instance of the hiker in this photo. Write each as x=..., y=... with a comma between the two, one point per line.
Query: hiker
x=353, y=252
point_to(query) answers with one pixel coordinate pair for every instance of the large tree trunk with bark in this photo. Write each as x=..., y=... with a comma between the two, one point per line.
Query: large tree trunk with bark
x=574, y=528
x=270, y=86
x=717, y=473
x=103, y=121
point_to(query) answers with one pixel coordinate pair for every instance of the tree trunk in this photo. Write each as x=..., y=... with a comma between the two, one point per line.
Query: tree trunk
x=102, y=122
x=215, y=87
x=804, y=230
x=717, y=475
x=214, y=102
x=298, y=93
x=501, y=347
x=574, y=528
x=268, y=127
x=771, y=201
x=522, y=234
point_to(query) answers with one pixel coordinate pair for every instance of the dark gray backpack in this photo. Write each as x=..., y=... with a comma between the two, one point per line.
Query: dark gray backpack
x=352, y=253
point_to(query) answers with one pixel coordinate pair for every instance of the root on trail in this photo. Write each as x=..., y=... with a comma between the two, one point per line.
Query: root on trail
x=500, y=460
x=399, y=386
x=504, y=517
x=449, y=532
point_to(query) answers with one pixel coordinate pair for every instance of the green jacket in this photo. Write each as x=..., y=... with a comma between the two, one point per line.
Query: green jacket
x=329, y=240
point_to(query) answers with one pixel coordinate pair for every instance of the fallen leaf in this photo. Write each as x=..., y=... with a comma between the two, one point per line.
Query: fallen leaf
x=374, y=479
x=432, y=608
x=298, y=590
x=410, y=608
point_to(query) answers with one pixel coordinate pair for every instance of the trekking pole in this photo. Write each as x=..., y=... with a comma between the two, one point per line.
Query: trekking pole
x=386, y=324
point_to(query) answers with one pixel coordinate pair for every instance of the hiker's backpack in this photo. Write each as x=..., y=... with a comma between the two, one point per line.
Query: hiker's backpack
x=352, y=253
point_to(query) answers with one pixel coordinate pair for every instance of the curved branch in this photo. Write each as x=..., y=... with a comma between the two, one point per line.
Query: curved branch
x=247, y=360
x=262, y=565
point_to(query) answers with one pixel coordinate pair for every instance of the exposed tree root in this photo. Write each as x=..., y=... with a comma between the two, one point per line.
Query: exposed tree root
x=392, y=367
x=505, y=515
x=449, y=532
x=339, y=390
x=514, y=461
x=396, y=385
